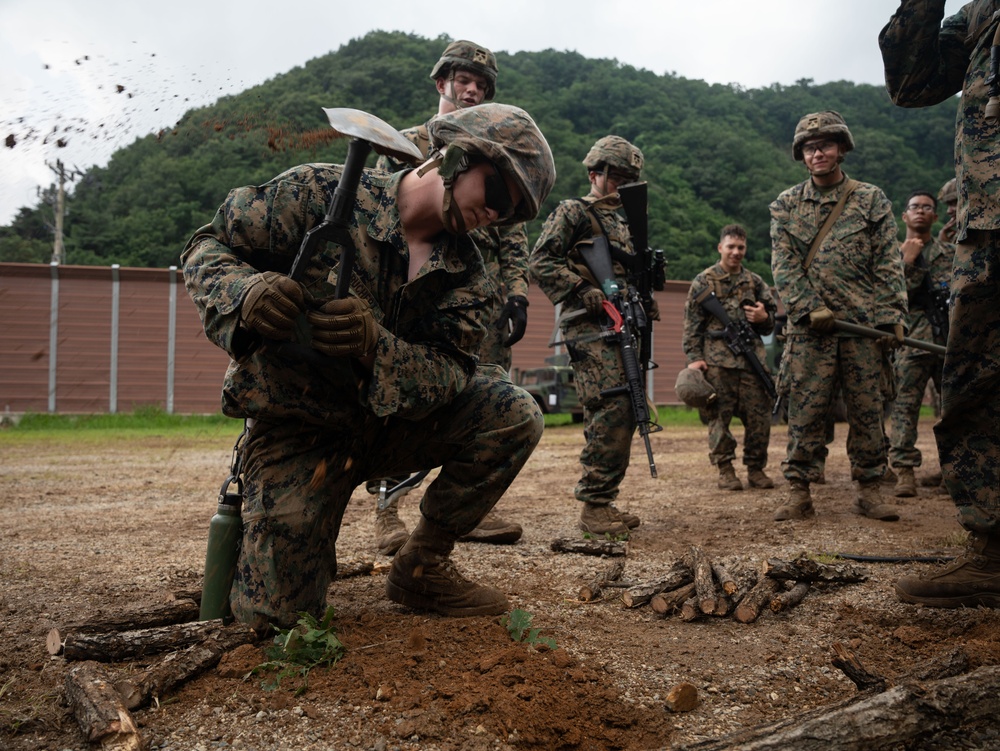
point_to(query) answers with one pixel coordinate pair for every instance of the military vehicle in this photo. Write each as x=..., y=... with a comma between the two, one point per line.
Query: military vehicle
x=552, y=386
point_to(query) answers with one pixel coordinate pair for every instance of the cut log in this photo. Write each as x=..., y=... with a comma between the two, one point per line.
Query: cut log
x=665, y=603
x=130, y=645
x=186, y=594
x=166, y=614
x=99, y=710
x=588, y=547
x=723, y=606
x=690, y=610
x=790, y=597
x=704, y=583
x=177, y=667
x=758, y=598
x=592, y=589
x=883, y=722
x=726, y=580
x=808, y=570
x=350, y=569
x=849, y=664
x=679, y=575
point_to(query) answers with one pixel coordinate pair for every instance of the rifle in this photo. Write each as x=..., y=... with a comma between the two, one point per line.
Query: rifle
x=934, y=299
x=740, y=338
x=627, y=317
x=648, y=270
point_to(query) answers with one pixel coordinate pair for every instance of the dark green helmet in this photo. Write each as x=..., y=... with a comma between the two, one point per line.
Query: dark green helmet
x=819, y=124
x=466, y=55
x=616, y=153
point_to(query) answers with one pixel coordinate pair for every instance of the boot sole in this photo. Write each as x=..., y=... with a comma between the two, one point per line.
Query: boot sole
x=419, y=601
x=892, y=517
x=504, y=537
x=965, y=601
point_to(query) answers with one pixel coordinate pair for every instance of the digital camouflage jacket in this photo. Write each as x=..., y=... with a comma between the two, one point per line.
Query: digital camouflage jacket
x=935, y=260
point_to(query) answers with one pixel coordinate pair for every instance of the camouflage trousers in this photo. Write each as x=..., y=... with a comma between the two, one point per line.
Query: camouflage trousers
x=968, y=433
x=816, y=365
x=298, y=479
x=913, y=371
x=740, y=394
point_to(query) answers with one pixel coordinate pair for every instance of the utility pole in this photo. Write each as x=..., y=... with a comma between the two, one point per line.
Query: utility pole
x=58, y=251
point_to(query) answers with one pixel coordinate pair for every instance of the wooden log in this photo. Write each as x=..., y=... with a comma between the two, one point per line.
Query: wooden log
x=592, y=589
x=665, y=603
x=690, y=610
x=165, y=614
x=886, y=721
x=808, y=570
x=588, y=547
x=99, y=710
x=350, y=569
x=723, y=606
x=177, y=667
x=704, y=583
x=186, y=594
x=790, y=597
x=848, y=663
x=122, y=646
x=749, y=608
x=727, y=582
x=679, y=575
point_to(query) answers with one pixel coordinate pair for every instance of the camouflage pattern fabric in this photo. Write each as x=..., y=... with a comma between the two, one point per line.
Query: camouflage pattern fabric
x=556, y=266
x=862, y=239
x=927, y=60
x=505, y=254
x=739, y=391
x=323, y=427
x=914, y=367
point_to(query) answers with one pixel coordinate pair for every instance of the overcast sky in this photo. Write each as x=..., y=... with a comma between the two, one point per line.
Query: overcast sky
x=62, y=61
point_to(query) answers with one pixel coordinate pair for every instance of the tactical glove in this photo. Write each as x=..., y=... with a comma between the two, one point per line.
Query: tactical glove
x=895, y=341
x=654, y=310
x=515, y=317
x=271, y=304
x=593, y=300
x=822, y=320
x=343, y=328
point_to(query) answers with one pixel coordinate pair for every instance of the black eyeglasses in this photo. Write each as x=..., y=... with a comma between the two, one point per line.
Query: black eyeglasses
x=921, y=207
x=497, y=195
x=811, y=148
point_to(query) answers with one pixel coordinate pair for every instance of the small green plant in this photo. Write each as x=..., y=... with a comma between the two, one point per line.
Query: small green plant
x=297, y=650
x=518, y=625
x=623, y=537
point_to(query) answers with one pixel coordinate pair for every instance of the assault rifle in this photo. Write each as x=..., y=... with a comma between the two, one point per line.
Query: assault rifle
x=627, y=319
x=648, y=271
x=934, y=301
x=740, y=339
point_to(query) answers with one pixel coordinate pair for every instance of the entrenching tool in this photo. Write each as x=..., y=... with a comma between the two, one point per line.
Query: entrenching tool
x=868, y=331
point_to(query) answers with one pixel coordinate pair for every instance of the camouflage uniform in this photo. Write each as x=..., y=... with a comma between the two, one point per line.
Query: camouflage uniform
x=926, y=62
x=915, y=367
x=858, y=275
x=739, y=390
x=505, y=254
x=597, y=364
x=319, y=429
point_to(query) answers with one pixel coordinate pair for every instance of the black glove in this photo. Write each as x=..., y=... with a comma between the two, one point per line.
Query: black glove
x=514, y=316
x=343, y=328
x=593, y=300
x=896, y=340
x=271, y=304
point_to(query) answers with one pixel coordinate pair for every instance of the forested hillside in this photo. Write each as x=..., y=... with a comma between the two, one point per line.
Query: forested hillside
x=714, y=154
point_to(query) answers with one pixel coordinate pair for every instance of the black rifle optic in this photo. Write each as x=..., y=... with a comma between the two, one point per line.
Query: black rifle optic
x=740, y=338
x=627, y=318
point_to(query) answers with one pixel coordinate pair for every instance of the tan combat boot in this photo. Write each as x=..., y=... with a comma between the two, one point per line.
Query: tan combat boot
x=906, y=483
x=798, y=505
x=603, y=519
x=423, y=577
x=869, y=503
x=728, y=479
x=889, y=478
x=971, y=579
x=493, y=529
x=390, y=532
x=758, y=479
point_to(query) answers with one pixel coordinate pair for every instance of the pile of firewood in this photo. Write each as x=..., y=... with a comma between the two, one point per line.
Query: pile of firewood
x=695, y=586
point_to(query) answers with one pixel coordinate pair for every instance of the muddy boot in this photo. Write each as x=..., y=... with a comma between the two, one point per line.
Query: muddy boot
x=869, y=503
x=889, y=478
x=494, y=530
x=390, y=532
x=906, y=483
x=758, y=479
x=971, y=579
x=422, y=577
x=603, y=519
x=631, y=520
x=798, y=505
x=932, y=480
x=728, y=479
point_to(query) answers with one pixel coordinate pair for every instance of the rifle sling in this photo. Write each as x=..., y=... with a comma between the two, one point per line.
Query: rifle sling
x=828, y=224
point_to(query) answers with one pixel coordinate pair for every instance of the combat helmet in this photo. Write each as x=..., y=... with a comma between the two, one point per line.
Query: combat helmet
x=615, y=152
x=506, y=136
x=693, y=389
x=818, y=124
x=465, y=55
x=949, y=192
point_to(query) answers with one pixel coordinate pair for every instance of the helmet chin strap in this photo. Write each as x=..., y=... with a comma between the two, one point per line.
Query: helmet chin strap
x=450, y=164
x=457, y=103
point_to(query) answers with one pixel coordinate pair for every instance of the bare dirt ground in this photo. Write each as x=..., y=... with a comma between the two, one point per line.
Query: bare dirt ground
x=90, y=528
